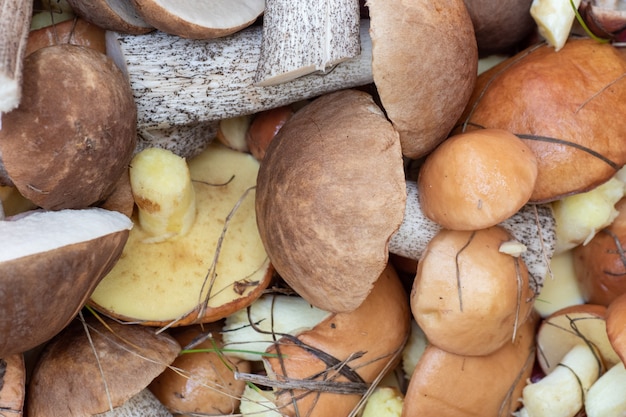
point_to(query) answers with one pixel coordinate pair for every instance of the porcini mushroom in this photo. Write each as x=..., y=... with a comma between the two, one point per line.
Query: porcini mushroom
x=324, y=219
x=49, y=265
x=114, y=15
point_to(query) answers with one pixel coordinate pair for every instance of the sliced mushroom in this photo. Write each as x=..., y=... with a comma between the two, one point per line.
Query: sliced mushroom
x=49, y=264
x=197, y=19
x=116, y=15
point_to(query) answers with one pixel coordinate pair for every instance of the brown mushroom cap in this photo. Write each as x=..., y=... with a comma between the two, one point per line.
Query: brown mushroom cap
x=46, y=285
x=424, y=65
x=75, y=31
x=448, y=385
x=477, y=179
x=330, y=193
x=599, y=263
x=74, y=132
x=69, y=381
x=201, y=382
x=563, y=105
x=468, y=297
x=345, y=348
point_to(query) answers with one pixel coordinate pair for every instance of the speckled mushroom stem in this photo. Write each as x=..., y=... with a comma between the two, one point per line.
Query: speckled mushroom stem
x=533, y=225
x=304, y=37
x=15, y=16
x=179, y=83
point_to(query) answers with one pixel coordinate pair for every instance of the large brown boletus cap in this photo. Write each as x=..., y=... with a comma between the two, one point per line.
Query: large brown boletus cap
x=69, y=380
x=74, y=132
x=615, y=319
x=424, y=65
x=565, y=105
x=447, y=385
x=330, y=193
x=346, y=351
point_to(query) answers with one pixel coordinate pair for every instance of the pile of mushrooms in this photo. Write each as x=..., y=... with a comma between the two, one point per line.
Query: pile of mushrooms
x=198, y=222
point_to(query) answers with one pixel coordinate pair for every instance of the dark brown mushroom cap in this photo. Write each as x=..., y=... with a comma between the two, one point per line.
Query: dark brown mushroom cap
x=330, y=193
x=68, y=378
x=565, y=106
x=74, y=133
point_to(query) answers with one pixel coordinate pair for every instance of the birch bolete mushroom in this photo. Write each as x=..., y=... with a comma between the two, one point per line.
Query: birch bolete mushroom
x=73, y=135
x=75, y=31
x=95, y=365
x=49, y=264
x=469, y=296
x=326, y=370
x=324, y=219
x=527, y=93
x=424, y=106
x=195, y=254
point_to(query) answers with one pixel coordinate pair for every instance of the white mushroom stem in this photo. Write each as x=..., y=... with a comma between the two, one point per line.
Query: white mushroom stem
x=534, y=226
x=303, y=37
x=15, y=16
x=606, y=396
x=179, y=82
x=562, y=392
x=143, y=404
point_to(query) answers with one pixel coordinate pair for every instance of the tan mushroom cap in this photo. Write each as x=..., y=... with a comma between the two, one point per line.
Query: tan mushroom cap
x=330, y=193
x=75, y=31
x=563, y=105
x=68, y=380
x=200, y=20
x=448, y=385
x=424, y=65
x=345, y=348
x=468, y=297
x=476, y=180
x=74, y=133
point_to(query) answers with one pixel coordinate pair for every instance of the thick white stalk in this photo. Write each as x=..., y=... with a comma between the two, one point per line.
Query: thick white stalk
x=15, y=16
x=302, y=37
x=533, y=225
x=179, y=82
